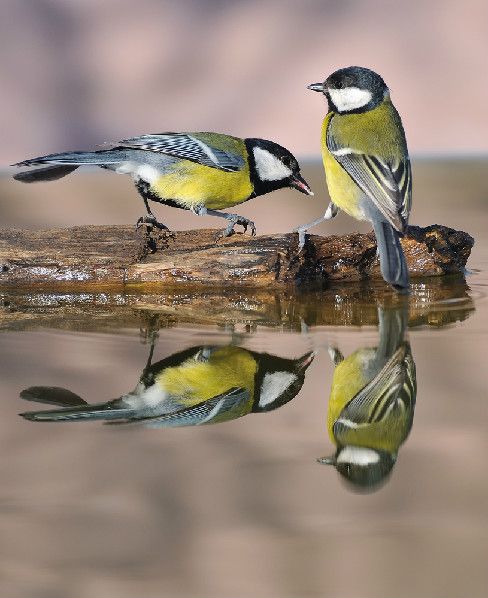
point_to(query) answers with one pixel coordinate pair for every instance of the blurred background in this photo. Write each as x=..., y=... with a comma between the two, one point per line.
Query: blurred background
x=76, y=73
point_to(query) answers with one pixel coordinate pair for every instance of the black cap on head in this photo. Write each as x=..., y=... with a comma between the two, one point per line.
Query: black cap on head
x=356, y=76
x=352, y=89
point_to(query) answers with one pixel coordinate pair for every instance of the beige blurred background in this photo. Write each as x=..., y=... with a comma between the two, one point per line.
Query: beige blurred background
x=76, y=73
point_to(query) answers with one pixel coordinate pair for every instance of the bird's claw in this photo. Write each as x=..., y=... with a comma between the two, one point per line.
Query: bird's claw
x=150, y=222
x=244, y=222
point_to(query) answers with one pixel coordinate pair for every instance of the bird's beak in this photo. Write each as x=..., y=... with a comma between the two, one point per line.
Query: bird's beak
x=317, y=87
x=299, y=183
x=306, y=360
x=327, y=460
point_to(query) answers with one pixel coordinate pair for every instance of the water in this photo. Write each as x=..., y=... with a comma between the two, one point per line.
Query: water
x=241, y=507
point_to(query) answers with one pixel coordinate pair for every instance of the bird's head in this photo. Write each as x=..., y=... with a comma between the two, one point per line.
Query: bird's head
x=365, y=469
x=274, y=167
x=353, y=89
x=279, y=380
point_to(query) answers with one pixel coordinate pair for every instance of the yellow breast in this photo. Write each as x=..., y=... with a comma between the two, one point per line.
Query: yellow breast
x=343, y=190
x=349, y=378
x=195, y=381
x=192, y=184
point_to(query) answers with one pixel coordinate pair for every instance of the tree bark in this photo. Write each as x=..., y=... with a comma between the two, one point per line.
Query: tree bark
x=90, y=257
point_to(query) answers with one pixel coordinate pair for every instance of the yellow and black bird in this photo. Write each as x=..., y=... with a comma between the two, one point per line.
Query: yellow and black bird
x=371, y=405
x=200, y=385
x=366, y=163
x=201, y=172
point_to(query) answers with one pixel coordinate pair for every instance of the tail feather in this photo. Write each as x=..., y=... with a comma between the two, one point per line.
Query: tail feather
x=392, y=259
x=102, y=411
x=62, y=164
x=50, y=173
x=52, y=395
x=77, y=158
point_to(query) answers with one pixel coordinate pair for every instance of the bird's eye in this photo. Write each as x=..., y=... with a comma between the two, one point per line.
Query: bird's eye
x=339, y=85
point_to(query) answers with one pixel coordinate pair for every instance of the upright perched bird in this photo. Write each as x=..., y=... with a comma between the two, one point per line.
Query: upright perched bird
x=201, y=172
x=371, y=405
x=200, y=385
x=366, y=163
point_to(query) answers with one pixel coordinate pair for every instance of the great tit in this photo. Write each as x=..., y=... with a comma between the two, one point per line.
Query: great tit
x=201, y=172
x=371, y=405
x=366, y=163
x=200, y=385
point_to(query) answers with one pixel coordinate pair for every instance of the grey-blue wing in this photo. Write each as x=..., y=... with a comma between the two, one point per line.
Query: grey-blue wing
x=387, y=183
x=188, y=147
x=206, y=412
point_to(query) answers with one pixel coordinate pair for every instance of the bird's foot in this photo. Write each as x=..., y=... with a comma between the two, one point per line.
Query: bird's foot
x=331, y=212
x=233, y=220
x=150, y=222
x=302, y=233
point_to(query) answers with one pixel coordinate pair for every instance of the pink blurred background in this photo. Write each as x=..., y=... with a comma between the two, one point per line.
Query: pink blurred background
x=77, y=73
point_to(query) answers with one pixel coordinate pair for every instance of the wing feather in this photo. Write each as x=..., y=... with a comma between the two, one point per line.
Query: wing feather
x=388, y=183
x=188, y=147
x=205, y=412
x=373, y=402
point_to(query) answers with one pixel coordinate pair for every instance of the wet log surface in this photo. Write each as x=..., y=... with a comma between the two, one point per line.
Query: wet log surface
x=433, y=302
x=119, y=256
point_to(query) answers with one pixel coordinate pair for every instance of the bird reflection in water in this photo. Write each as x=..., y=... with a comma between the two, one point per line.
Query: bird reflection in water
x=200, y=385
x=371, y=405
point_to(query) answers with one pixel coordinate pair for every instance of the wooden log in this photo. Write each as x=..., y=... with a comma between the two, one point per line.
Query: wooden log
x=119, y=256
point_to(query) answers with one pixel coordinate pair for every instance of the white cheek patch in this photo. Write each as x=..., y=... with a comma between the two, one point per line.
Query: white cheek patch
x=269, y=167
x=350, y=98
x=274, y=385
x=357, y=455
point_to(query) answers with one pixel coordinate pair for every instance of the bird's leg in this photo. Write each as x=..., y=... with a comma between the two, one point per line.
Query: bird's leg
x=150, y=220
x=330, y=213
x=232, y=218
x=151, y=334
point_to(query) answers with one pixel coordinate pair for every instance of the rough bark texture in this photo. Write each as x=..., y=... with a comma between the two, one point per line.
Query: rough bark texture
x=92, y=256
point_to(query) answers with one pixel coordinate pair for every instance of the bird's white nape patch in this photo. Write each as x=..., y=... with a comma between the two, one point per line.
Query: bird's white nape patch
x=268, y=166
x=274, y=385
x=358, y=455
x=350, y=98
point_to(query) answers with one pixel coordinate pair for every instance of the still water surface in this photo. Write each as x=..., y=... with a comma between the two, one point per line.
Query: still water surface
x=233, y=496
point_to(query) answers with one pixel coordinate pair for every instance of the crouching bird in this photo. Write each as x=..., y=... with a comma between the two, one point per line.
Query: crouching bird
x=201, y=385
x=366, y=163
x=201, y=172
x=371, y=405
